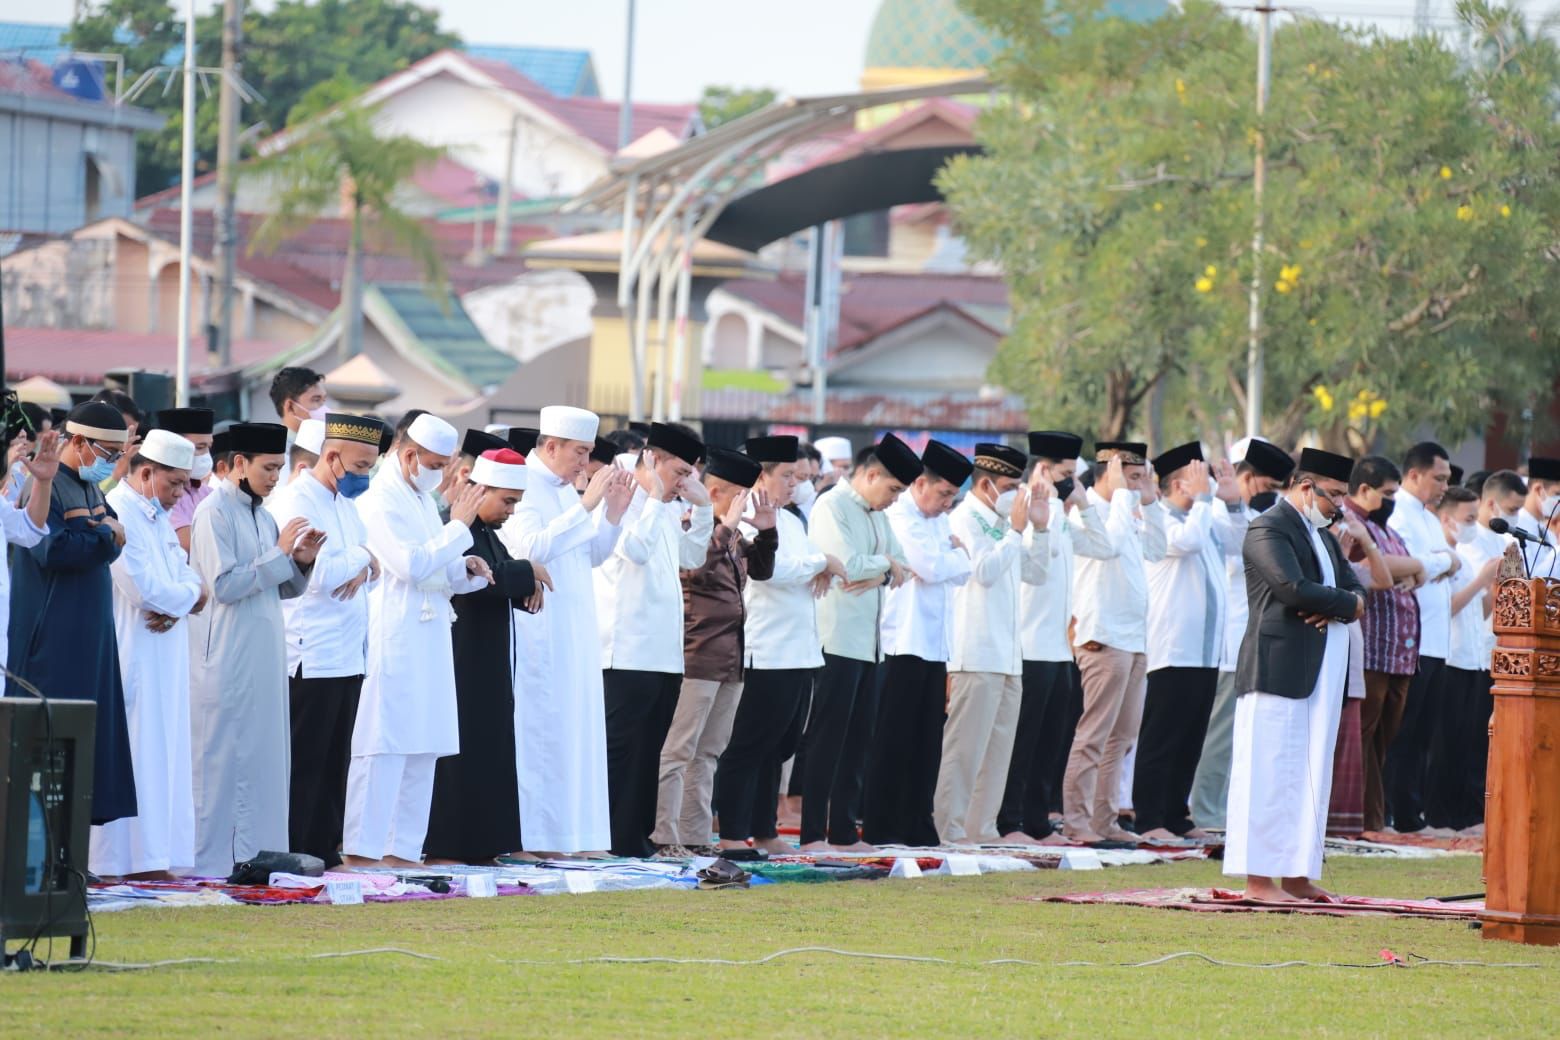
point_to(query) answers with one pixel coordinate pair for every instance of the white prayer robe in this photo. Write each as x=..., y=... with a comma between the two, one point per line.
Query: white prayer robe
x=1281, y=766
x=1045, y=607
x=408, y=701
x=560, y=716
x=239, y=718
x=639, y=596
x=152, y=574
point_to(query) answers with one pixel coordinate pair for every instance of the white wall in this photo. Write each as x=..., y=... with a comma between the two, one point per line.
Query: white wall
x=534, y=313
x=943, y=353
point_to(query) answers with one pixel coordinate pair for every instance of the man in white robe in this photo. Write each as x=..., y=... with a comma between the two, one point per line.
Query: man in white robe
x=155, y=588
x=238, y=671
x=1290, y=684
x=560, y=717
x=406, y=719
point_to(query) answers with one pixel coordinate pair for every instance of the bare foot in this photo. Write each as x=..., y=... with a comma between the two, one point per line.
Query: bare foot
x=775, y=846
x=402, y=864
x=1018, y=838
x=1159, y=834
x=522, y=856
x=548, y=854
x=444, y=863
x=1055, y=838
x=1197, y=834
x=1266, y=890
x=857, y=846
x=591, y=854
x=817, y=846
x=362, y=863
x=1307, y=890
x=150, y=875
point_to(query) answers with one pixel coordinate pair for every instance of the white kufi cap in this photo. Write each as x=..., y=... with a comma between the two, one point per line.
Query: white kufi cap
x=834, y=449
x=311, y=435
x=1239, y=448
x=494, y=474
x=434, y=434
x=572, y=424
x=169, y=449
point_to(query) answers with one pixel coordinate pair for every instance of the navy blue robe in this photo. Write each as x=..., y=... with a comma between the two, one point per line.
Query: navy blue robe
x=62, y=632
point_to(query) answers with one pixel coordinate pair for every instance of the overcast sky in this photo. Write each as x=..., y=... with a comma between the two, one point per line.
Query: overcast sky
x=798, y=46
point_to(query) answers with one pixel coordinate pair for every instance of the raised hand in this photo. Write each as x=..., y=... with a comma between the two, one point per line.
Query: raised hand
x=466, y=503
x=620, y=492
x=1116, y=472
x=1018, y=516
x=596, y=489
x=19, y=447
x=735, y=508
x=1227, y=488
x=763, y=511
x=1197, y=479
x=46, y=460
x=287, y=540
x=692, y=490
x=1040, y=492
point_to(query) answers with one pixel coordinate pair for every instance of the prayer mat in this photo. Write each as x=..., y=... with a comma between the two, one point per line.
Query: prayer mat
x=1220, y=900
x=1456, y=843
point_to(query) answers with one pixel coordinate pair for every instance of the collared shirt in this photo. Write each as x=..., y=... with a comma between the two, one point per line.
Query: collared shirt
x=713, y=611
x=639, y=598
x=1187, y=590
x=1472, y=647
x=1391, y=622
x=1046, y=607
x=1542, y=561
x=1237, y=607
x=327, y=637
x=986, y=616
x=850, y=623
x=1110, y=595
x=1426, y=541
x=918, y=616
x=182, y=514
x=781, y=631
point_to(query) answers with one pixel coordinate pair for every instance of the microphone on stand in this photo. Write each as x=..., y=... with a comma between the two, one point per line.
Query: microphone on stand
x=1500, y=526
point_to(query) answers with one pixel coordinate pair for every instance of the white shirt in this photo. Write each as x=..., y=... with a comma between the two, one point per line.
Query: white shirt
x=1110, y=595
x=19, y=531
x=782, y=618
x=1421, y=531
x=1541, y=560
x=1473, y=634
x=328, y=637
x=918, y=616
x=639, y=599
x=1188, y=590
x=985, y=608
x=1237, y=607
x=1045, y=608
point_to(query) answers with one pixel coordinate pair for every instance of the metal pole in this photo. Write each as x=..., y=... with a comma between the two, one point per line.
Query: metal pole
x=1259, y=177
x=227, y=173
x=812, y=322
x=505, y=193
x=186, y=175
x=680, y=333
x=626, y=113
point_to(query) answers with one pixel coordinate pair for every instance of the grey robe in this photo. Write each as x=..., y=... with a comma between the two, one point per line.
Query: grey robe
x=238, y=682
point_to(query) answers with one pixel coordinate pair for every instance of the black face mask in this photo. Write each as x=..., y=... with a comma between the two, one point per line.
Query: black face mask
x=1264, y=500
x=1064, y=488
x=1379, y=516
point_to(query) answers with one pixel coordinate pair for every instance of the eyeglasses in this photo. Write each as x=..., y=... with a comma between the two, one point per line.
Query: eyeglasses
x=103, y=453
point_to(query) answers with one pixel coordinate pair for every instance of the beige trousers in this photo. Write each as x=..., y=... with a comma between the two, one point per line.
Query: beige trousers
x=1114, y=685
x=701, y=729
x=977, y=748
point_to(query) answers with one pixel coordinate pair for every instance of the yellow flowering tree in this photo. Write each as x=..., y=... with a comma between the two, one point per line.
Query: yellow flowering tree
x=1412, y=199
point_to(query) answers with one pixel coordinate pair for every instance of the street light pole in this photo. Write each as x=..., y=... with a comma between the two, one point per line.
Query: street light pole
x=1254, y=360
x=186, y=175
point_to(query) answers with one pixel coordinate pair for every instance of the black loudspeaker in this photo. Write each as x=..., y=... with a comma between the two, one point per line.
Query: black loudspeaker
x=45, y=818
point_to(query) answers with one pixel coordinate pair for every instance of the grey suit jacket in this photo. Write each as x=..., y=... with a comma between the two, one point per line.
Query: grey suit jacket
x=1281, y=654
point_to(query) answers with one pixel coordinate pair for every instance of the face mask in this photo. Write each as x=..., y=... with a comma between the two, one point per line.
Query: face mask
x=1549, y=505
x=1064, y=488
x=98, y=471
x=201, y=468
x=1314, y=514
x=313, y=413
x=243, y=485
x=351, y=485
x=1379, y=515
x=803, y=494
x=1262, y=501
x=1467, y=533
x=1004, y=503
x=425, y=479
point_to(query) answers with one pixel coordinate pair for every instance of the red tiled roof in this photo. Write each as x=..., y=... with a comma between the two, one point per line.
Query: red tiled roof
x=453, y=183
x=958, y=114
x=31, y=78
x=309, y=266
x=906, y=410
x=872, y=304
x=593, y=118
x=80, y=357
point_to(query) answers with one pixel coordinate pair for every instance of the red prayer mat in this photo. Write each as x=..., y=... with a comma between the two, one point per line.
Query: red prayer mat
x=1220, y=900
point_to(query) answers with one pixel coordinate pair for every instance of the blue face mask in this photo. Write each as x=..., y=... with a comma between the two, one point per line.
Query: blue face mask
x=351, y=485
x=99, y=471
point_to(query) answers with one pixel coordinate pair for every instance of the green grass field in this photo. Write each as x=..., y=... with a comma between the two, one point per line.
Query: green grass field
x=478, y=989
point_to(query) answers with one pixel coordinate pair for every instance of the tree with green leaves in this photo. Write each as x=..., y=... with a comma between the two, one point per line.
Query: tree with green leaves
x=335, y=152
x=723, y=104
x=1411, y=201
x=288, y=48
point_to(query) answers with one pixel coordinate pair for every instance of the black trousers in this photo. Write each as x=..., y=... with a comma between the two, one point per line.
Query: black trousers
x=793, y=788
x=1409, y=756
x=1170, y=740
x=830, y=788
x=906, y=752
x=323, y=714
x=1459, y=751
x=1026, y=801
x=766, y=804
x=1059, y=737
x=640, y=706
x=747, y=779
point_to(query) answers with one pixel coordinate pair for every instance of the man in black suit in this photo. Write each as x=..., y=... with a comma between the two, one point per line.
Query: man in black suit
x=1290, y=682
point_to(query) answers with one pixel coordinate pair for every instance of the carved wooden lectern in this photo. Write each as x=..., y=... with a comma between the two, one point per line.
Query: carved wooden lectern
x=1522, y=807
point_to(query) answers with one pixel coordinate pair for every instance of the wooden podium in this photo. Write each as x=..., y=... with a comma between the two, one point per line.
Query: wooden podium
x=1522, y=807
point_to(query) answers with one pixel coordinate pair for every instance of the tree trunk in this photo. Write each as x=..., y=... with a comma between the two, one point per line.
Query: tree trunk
x=351, y=342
